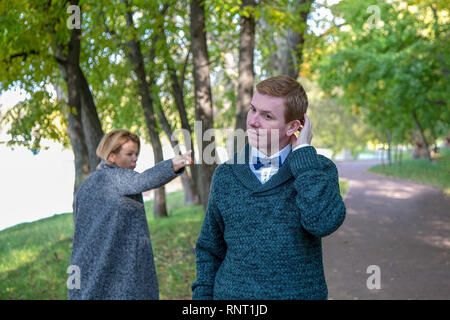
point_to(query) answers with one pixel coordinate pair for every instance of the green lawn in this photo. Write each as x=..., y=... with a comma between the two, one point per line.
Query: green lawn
x=405, y=155
x=34, y=257
x=436, y=173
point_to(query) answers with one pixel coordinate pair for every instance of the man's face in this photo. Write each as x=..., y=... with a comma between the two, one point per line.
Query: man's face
x=264, y=120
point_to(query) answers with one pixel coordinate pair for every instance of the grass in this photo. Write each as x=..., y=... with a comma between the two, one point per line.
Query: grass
x=436, y=173
x=405, y=155
x=343, y=186
x=34, y=257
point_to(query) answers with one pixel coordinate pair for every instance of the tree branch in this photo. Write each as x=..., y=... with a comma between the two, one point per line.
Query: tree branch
x=440, y=102
x=183, y=72
x=23, y=54
x=331, y=29
x=112, y=33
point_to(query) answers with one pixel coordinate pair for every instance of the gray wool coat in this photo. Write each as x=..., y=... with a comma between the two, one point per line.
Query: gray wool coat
x=111, y=244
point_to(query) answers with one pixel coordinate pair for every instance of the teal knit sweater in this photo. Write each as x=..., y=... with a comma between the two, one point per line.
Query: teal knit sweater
x=263, y=241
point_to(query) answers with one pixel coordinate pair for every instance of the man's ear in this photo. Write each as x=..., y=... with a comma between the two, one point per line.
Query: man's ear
x=293, y=127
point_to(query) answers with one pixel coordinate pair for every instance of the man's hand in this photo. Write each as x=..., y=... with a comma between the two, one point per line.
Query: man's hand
x=181, y=161
x=305, y=135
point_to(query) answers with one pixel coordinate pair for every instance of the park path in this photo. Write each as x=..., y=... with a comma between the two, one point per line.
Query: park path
x=401, y=226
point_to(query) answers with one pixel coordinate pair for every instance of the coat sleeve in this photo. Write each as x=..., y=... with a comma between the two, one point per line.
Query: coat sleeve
x=322, y=209
x=129, y=182
x=210, y=248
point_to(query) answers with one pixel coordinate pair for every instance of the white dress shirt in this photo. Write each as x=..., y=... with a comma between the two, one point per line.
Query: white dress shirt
x=264, y=174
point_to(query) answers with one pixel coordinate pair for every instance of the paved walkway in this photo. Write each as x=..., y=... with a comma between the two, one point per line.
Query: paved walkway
x=400, y=226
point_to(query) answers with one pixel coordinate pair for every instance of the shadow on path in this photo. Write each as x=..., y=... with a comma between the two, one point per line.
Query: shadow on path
x=401, y=226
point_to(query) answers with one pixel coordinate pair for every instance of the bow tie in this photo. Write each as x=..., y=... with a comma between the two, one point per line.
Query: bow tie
x=259, y=163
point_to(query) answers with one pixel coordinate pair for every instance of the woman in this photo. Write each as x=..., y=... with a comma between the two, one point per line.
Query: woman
x=111, y=245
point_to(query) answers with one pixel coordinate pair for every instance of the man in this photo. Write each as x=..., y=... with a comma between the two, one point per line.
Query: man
x=269, y=207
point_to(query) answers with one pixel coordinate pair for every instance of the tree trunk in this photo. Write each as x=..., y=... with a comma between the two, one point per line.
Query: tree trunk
x=276, y=55
x=91, y=123
x=137, y=60
x=160, y=209
x=203, y=100
x=177, y=92
x=88, y=112
x=246, y=73
x=422, y=134
x=191, y=195
x=396, y=154
x=389, y=136
x=69, y=66
x=76, y=137
x=293, y=55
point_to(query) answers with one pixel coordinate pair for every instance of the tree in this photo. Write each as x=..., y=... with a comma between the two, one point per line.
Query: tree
x=335, y=126
x=245, y=64
x=295, y=39
x=145, y=79
x=161, y=40
x=391, y=71
x=283, y=34
x=177, y=84
x=78, y=89
x=38, y=50
x=203, y=99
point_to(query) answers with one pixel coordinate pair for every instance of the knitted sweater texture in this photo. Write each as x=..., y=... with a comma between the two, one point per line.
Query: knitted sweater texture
x=263, y=241
x=111, y=245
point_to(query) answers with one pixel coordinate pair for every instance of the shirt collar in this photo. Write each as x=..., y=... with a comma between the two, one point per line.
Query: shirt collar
x=283, y=153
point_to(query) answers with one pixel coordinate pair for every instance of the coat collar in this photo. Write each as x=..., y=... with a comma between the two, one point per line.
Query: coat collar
x=240, y=167
x=104, y=165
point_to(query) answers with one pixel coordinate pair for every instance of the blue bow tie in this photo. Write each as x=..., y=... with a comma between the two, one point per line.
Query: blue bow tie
x=259, y=163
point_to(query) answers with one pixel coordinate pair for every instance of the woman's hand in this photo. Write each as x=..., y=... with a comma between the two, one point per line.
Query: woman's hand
x=182, y=160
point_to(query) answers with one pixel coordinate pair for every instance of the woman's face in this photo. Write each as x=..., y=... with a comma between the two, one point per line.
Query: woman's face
x=126, y=157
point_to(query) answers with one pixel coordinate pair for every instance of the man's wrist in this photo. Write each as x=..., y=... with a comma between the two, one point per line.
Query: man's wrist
x=304, y=159
x=300, y=146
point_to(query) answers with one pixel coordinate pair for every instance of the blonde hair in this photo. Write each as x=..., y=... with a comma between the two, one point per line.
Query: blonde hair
x=113, y=141
x=295, y=99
